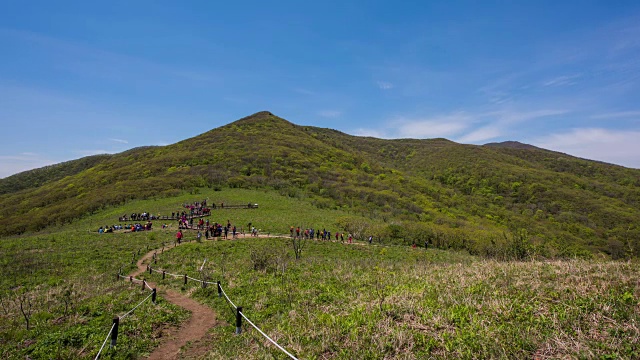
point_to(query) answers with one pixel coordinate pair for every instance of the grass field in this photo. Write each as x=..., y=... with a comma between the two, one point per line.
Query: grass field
x=337, y=301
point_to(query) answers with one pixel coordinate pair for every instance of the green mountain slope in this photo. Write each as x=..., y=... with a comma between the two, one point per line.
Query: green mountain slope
x=454, y=195
x=38, y=177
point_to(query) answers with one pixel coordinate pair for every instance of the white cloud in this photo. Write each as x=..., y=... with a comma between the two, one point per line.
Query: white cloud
x=119, y=141
x=481, y=134
x=304, y=91
x=564, y=80
x=613, y=146
x=330, y=113
x=13, y=164
x=615, y=115
x=384, y=85
x=371, y=133
x=442, y=126
x=92, y=152
x=510, y=117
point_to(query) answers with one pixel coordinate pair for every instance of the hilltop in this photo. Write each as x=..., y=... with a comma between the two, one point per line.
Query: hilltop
x=454, y=195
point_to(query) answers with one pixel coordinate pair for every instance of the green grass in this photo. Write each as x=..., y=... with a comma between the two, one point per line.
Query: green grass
x=338, y=301
x=368, y=302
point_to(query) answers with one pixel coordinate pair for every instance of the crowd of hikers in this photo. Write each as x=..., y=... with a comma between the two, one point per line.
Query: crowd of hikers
x=323, y=234
x=191, y=218
x=133, y=227
x=198, y=208
x=215, y=230
x=144, y=216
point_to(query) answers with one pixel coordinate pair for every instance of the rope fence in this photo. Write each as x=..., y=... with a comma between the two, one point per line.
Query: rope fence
x=105, y=341
x=239, y=314
x=221, y=293
x=113, y=332
x=267, y=336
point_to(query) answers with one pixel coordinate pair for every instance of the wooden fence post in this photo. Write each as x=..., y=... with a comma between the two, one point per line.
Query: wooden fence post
x=153, y=296
x=114, y=332
x=238, y=320
x=219, y=290
x=185, y=279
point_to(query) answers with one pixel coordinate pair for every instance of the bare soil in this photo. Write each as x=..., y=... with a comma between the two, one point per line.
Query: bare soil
x=196, y=328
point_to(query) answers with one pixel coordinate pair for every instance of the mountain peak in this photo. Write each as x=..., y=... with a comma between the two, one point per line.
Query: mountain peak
x=512, y=145
x=260, y=117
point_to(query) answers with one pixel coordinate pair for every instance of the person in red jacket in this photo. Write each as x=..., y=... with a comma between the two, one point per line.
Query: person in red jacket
x=179, y=236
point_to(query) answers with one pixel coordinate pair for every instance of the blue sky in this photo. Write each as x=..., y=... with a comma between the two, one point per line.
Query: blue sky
x=81, y=78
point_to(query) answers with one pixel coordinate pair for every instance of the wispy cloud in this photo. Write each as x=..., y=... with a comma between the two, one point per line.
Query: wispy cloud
x=517, y=116
x=92, y=152
x=304, y=91
x=618, y=147
x=330, y=113
x=385, y=85
x=119, y=141
x=564, y=80
x=441, y=126
x=13, y=164
x=77, y=57
x=371, y=133
x=617, y=115
x=481, y=134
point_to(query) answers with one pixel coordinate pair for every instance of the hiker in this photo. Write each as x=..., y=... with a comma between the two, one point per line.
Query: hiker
x=291, y=231
x=350, y=239
x=199, y=236
x=179, y=236
x=371, y=239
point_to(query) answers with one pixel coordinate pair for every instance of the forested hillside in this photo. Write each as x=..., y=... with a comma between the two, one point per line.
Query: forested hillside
x=482, y=198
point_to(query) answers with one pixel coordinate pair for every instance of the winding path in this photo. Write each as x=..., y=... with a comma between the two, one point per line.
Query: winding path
x=201, y=320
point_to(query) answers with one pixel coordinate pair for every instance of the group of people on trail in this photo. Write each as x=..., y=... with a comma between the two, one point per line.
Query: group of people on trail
x=144, y=216
x=197, y=208
x=130, y=227
x=311, y=233
x=216, y=230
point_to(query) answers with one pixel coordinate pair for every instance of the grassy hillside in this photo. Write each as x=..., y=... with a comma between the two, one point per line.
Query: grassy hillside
x=337, y=301
x=500, y=201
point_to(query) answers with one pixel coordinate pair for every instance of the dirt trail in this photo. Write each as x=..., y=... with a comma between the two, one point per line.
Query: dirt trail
x=201, y=320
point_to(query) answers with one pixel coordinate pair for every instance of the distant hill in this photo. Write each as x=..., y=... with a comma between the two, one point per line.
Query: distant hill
x=470, y=195
x=38, y=177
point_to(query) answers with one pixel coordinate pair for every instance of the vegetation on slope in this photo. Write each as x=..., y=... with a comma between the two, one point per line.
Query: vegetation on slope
x=462, y=196
x=337, y=301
